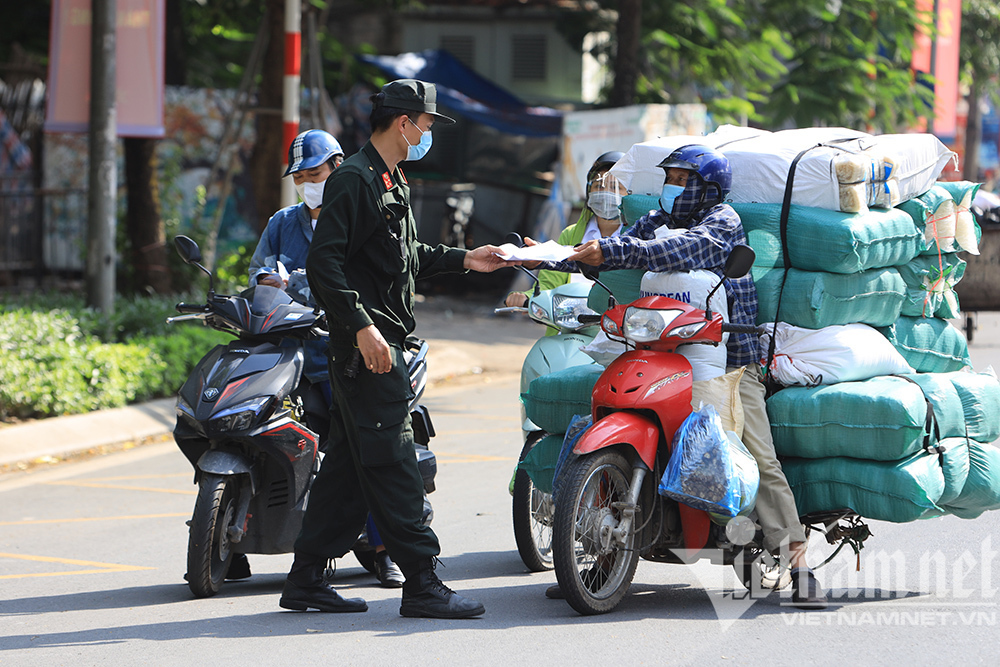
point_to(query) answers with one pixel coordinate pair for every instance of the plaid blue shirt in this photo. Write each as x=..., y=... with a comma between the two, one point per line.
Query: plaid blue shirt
x=705, y=244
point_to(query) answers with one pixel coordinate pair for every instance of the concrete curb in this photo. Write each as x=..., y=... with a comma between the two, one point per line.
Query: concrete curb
x=46, y=441
x=49, y=441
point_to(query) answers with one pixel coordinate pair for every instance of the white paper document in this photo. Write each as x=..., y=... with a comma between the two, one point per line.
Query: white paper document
x=548, y=251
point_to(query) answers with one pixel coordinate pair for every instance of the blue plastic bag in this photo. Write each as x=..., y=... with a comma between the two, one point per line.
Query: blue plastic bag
x=577, y=426
x=710, y=470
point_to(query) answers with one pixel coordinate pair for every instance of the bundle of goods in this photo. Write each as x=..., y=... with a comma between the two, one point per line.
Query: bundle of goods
x=835, y=168
x=892, y=448
x=856, y=267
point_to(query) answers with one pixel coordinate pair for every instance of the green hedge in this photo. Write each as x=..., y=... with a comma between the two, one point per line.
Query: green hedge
x=58, y=357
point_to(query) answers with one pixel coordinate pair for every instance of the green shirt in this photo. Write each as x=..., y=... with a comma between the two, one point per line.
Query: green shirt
x=365, y=258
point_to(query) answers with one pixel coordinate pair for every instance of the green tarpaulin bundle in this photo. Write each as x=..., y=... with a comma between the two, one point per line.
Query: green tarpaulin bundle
x=943, y=214
x=955, y=464
x=930, y=285
x=552, y=400
x=929, y=344
x=635, y=206
x=896, y=491
x=540, y=462
x=817, y=299
x=623, y=283
x=981, y=491
x=831, y=241
x=884, y=418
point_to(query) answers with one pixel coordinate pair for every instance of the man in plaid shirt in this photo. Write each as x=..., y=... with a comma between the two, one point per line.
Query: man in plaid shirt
x=696, y=229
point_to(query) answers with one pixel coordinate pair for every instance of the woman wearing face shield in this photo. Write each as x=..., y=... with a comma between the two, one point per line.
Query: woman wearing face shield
x=601, y=217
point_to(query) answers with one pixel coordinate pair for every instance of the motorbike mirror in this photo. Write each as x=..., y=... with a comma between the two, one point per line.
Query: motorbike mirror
x=191, y=254
x=187, y=249
x=737, y=265
x=592, y=273
x=739, y=262
x=514, y=239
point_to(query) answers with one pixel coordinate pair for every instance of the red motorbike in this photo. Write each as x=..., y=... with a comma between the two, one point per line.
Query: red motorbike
x=608, y=513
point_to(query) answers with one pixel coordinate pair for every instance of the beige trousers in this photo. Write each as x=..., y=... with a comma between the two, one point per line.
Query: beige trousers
x=776, y=511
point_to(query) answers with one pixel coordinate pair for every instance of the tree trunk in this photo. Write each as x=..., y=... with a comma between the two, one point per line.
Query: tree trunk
x=627, y=59
x=973, y=135
x=265, y=162
x=175, y=57
x=143, y=224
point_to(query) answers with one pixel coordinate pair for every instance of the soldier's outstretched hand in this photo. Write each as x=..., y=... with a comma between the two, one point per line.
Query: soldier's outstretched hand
x=484, y=259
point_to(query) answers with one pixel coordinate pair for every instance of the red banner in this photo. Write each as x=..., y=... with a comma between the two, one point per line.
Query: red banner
x=138, y=67
x=940, y=54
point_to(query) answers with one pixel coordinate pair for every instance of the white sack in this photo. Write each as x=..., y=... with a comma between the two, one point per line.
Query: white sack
x=837, y=353
x=602, y=349
x=638, y=170
x=692, y=287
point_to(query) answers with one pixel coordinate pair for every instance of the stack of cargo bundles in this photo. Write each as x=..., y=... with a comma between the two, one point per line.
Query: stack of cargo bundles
x=892, y=448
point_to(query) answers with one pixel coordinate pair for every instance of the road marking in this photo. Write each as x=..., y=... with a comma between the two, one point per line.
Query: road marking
x=184, y=492
x=101, y=567
x=30, y=522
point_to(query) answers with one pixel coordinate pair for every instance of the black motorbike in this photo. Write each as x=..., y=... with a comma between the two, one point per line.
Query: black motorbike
x=254, y=427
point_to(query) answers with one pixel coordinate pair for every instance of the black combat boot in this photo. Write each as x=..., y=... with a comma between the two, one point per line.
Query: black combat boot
x=424, y=596
x=305, y=588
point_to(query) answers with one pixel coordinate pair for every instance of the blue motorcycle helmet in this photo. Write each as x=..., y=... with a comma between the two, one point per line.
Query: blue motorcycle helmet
x=311, y=149
x=710, y=182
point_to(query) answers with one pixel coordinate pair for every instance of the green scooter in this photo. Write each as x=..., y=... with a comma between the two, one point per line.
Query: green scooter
x=559, y=309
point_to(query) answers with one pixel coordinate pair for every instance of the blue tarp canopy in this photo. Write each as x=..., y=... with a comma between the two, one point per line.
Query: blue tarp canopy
x=473, y=96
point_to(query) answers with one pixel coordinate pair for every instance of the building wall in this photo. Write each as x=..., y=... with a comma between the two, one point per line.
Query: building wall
x=526, y=56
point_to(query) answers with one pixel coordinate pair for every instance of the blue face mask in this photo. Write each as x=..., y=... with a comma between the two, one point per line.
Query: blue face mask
x=668, y=195
x=420, y=150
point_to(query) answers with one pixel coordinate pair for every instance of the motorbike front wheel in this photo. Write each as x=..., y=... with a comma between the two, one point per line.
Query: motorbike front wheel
x=532, y=514
x=209, y=552
x=594, y=562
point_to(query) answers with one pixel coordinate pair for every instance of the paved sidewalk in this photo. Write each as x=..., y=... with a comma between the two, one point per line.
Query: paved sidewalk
x=465, y=339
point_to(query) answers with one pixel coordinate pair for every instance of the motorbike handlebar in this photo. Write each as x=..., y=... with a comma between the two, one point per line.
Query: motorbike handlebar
x=191, y=308
x=740, y=328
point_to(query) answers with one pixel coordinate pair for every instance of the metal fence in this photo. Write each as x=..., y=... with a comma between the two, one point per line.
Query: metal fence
x=41, y=229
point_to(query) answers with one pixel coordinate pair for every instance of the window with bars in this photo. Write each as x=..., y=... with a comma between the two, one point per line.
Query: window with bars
x=529, y=58
x=462, y=47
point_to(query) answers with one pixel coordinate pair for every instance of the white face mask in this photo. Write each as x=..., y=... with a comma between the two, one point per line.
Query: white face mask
x=310, y=193
x=605, y=204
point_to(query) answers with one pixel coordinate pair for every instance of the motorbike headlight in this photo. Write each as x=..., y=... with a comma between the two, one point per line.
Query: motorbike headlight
x=237, y=418
x=566, y=311
x=688, y=330
x=646, y=325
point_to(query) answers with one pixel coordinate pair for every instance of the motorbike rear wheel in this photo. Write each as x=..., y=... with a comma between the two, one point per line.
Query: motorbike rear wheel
x=209, y=549
x=532, y=511
x=593, y=566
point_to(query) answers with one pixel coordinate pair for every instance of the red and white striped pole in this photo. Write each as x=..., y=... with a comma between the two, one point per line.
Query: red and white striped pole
x=290, y=93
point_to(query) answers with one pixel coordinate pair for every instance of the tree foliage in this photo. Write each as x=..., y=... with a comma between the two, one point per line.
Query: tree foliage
x=783, y=62
x=979, y=49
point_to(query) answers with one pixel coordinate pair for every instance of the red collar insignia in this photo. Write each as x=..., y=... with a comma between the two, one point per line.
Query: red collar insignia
x=402, y=177
x=387, y=180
